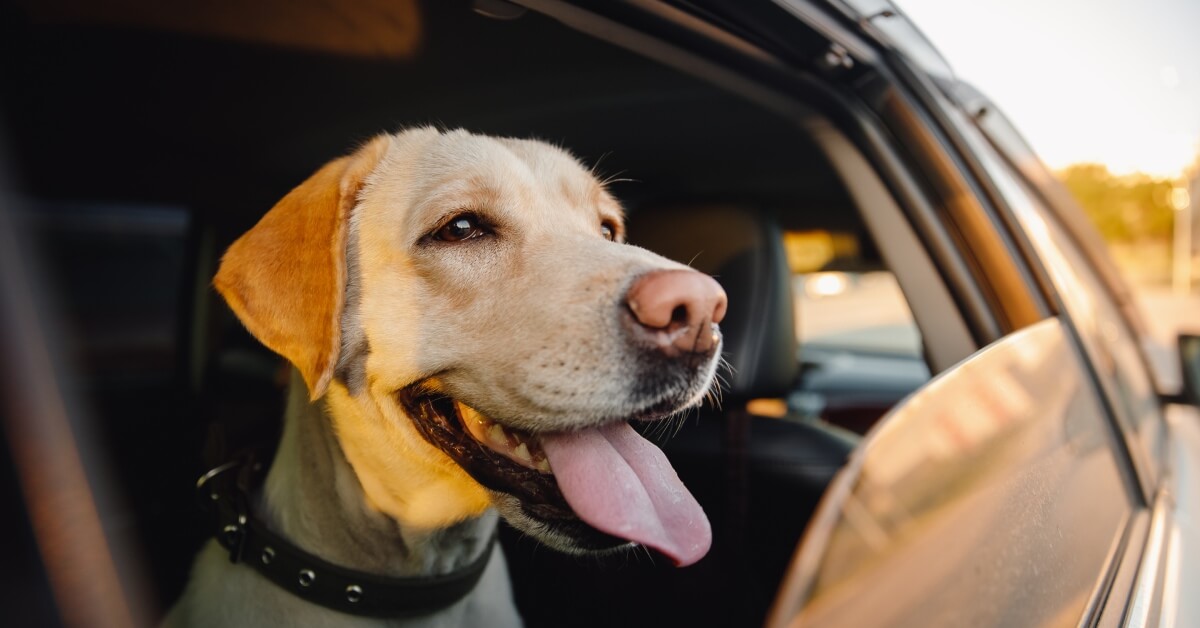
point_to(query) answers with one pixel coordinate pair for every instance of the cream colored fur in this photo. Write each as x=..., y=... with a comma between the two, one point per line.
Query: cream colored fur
x=519, y=326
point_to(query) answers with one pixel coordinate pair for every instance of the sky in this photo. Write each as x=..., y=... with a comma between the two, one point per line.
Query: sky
x=1115, y=82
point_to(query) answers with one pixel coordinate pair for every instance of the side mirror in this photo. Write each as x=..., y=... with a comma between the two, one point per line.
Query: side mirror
x=1189, y=359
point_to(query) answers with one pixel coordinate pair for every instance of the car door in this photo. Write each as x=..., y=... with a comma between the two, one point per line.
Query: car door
x=1007, y=491
x=1090, y=526
x=1157, y=426
x=1028, y=485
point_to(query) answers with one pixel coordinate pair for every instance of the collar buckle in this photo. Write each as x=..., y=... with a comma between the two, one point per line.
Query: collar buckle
x=219, y=494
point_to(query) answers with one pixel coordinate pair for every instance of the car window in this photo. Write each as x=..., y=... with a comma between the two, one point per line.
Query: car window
x=843, y=303
x=991, y=497
x=1111, y=345
x=1001, y=133
x=860, y=349
x=855, y=311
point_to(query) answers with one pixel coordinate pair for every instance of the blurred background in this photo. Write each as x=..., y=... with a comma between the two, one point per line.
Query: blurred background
x=1108, y=94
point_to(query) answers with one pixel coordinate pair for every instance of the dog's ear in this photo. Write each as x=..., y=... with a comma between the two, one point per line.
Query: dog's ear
x=286, y=277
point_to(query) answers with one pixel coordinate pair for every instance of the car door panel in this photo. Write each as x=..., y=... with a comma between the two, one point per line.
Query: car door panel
x=1160, y=593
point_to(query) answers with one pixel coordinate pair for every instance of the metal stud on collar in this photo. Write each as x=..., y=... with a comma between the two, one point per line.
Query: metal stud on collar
x=354, y=593
x=268, y=555
x=306, y=577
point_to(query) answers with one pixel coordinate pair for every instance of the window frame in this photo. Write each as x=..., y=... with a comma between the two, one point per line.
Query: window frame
x=870, y=102
x=1130, y=590
x=1147, y=467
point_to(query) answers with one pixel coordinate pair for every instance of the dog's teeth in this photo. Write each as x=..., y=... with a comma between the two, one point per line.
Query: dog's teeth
x=497, y=435
x=521, y=447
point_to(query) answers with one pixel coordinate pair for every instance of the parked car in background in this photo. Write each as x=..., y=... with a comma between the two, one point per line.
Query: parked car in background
x=939, y=409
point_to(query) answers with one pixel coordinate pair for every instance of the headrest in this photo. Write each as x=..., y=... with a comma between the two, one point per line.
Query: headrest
x=743, y=249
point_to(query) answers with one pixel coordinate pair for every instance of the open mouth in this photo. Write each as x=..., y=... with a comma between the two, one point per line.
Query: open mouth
x=518, y=446
x=603, y=487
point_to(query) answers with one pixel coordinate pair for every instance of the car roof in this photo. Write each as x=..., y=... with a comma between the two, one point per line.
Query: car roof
x=888, y=24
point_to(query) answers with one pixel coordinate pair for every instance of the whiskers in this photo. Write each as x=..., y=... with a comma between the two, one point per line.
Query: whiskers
x=720, y=383
x=666, y=428
x=638, y=551
x=595, y=169
x=631, y=554
x=604, y=180
x=616, y=178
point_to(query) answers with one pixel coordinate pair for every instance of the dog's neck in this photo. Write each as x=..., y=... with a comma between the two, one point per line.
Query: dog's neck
x=314, y=498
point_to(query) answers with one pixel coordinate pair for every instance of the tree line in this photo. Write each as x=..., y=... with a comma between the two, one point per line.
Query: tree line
x=1132, y=208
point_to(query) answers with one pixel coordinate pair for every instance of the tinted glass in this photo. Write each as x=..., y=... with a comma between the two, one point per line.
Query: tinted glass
x=1111, y=345
x=992, y=497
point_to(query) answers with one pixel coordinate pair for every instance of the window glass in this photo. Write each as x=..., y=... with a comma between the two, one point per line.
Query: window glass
x=860, y=350
x=991, y=497
x=843, y=301
x=1110, y=344
x=857, y=311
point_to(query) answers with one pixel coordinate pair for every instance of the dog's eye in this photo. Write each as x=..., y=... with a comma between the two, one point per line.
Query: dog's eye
x=460, y=228
x=608, y=230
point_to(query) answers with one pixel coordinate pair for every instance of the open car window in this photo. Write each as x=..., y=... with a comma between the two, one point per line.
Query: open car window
x=859, y=347
x=843, y=302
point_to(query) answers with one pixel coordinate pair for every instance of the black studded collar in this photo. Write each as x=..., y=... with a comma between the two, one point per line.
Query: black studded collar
x=223, y=492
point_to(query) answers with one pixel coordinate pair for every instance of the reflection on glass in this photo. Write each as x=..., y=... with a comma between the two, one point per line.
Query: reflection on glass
x=990, y=498
x=1109, y=342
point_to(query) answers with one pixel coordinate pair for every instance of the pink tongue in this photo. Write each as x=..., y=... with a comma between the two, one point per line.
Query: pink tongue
x=620, y=483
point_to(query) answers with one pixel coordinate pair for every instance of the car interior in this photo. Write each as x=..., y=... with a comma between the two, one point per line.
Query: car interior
x=142, y=149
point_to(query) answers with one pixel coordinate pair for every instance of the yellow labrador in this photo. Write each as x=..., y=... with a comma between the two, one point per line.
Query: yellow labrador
x=471, y=337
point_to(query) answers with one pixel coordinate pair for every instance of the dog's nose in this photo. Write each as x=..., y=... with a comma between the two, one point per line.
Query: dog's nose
x=682, y=305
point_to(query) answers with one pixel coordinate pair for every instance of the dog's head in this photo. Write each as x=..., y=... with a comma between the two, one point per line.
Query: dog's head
x=468, y=309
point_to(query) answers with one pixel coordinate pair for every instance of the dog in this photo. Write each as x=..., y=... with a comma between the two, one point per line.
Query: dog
x=470, y=336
